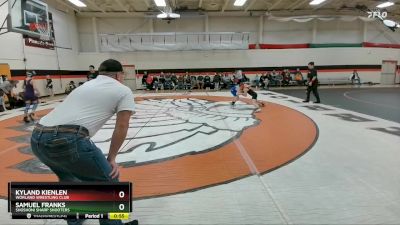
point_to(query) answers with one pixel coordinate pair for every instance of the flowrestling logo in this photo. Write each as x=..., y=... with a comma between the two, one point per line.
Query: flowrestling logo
x=377, y=13
x=382, y=16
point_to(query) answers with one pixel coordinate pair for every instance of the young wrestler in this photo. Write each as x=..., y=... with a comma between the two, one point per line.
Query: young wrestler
x=30, y=97
x=234, y=92
x=245, y=89
x=237, y=80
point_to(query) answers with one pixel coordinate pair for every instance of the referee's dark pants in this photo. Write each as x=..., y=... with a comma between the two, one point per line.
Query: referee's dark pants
x=314, y=89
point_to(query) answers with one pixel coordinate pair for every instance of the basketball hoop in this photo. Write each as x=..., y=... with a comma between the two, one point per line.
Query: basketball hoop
x=44, y=37
x=42, y=29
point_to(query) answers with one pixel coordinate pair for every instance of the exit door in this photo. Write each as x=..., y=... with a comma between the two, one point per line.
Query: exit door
x=388, y=74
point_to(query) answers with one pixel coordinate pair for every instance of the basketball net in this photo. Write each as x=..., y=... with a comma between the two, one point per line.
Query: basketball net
x=42, y=29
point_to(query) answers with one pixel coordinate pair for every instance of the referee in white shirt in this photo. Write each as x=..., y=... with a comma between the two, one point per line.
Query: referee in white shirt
x=61, y=139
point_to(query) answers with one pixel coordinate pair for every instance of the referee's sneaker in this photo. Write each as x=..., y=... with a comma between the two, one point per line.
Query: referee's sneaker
x=61, y=139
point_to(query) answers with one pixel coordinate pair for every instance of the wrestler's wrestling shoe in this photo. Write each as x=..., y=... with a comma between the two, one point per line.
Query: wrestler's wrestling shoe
x=26, y=120
x=32, y=116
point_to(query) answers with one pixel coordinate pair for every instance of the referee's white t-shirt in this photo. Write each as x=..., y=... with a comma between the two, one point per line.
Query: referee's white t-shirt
x=92, y=104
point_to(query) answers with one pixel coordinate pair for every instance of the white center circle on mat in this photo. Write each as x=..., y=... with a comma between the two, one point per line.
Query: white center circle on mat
x=168, y=128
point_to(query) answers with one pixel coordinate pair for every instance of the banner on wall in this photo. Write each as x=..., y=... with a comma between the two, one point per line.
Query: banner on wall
x=38, y=43
x=174, y=41
x=113, y=47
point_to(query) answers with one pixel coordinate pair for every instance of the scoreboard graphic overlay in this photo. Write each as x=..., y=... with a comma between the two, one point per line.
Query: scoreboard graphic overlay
x=70, y=200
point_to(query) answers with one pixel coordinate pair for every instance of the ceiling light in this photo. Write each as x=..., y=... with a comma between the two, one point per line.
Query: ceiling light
x=390, y=23
x=78, y=3
x=316, y=2
x=160, y=3
x=239, y=2
x=385, y=4
x=162, y=16
x=168, y=15
x=174, y=15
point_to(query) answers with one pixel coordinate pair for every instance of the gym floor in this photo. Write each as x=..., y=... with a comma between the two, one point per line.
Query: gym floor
x=195, y=160
x=380, y=102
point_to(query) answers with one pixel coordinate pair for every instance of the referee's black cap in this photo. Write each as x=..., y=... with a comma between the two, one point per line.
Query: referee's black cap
x=111, y=65
x=311, y=63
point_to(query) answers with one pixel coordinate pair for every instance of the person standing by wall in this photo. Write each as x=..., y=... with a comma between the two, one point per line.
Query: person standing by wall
x=161, y=81
x=261, y=81
x=7, y=88
x=279, y=79
x=207, y=82
x=174, y=80
x=3, y=78
x=181, y=82
x=200, y=82
x=193, y=82
x=268, y=80
x=49, y=85
x=62, y=140
x=257, y=81
x=299, y=77
x=355, y=77
x=187, y=81
x=144, y=78
x=2, y=93
x=286, y=77
x=312, y=83
x=156, y=83
x=168, y=82
x=245, y=78
x=2, y=101
x=149, y=82
x=92, y=73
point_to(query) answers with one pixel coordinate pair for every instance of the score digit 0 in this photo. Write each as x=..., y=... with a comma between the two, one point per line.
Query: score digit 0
x=121, y=194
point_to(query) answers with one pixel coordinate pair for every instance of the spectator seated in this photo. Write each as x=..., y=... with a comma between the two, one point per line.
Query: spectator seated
x=169, y=84
x=193, y=82
x=181, y=81
x=187, y=83
x=70, y=87
x=207, y=82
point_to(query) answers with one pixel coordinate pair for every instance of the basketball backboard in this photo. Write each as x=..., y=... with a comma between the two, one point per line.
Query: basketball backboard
x=29, y=17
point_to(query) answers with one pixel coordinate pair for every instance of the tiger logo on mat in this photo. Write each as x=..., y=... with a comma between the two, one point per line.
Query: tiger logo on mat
x=178, y=144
